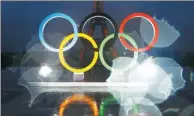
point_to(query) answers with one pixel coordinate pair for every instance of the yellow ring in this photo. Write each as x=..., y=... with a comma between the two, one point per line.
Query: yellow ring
x=61, y=56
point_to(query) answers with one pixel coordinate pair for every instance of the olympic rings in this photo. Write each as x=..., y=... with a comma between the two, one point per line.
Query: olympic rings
x=101, y=52
x=61, y=57
x=154, y=25
x=46, y=20
x=105, y=102
x=99, y=15
x=77, y=98
x=75, y=36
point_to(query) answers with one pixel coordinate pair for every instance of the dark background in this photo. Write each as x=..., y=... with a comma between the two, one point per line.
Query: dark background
x=20, y=21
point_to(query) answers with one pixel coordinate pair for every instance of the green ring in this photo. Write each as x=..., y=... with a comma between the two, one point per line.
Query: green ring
x=130, y=39
x=112, y=99
x=104, y=103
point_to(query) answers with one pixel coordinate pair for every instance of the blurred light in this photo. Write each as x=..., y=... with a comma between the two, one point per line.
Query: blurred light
x=109, y=114
x=55, y=115
x=148, y=68
x=45, y=71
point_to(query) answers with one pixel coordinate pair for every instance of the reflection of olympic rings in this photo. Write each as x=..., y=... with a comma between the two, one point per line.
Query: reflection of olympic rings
x=154, y=25
x=61, y=57
x=46, y=20
x=101, y=52
x=99, y=15
x=104, y=103
x=79, y=98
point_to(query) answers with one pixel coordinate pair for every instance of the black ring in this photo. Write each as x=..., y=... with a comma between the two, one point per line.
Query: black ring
x=104, y=15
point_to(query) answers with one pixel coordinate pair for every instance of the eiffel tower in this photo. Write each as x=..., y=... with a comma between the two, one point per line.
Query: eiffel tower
x=93, y=74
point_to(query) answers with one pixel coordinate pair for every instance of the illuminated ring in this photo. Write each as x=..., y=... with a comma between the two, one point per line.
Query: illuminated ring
x=79, y=98
x=99, y=15
x=104, y=103
x=154, y=25
x=102, y=57
x=61, y=57
x=46, y=20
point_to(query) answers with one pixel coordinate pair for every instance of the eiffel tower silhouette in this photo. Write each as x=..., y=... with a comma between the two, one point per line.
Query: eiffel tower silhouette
x=98, y=7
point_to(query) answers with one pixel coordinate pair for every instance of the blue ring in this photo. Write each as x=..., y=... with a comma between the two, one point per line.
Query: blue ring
x=46, y=20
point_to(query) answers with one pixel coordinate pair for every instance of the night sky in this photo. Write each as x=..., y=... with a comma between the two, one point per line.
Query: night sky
x=20, y=20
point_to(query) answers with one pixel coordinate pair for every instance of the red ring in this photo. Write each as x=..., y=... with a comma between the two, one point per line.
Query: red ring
x=154, y=25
